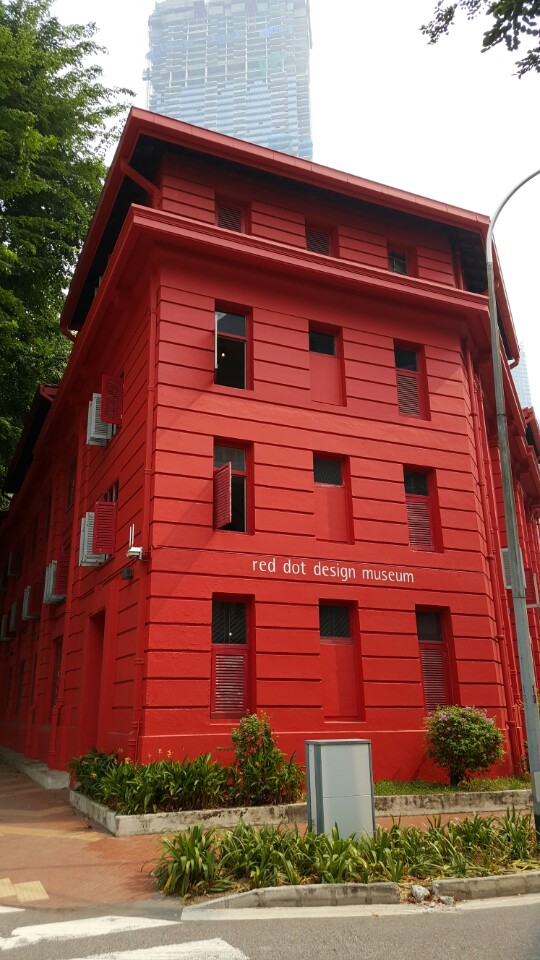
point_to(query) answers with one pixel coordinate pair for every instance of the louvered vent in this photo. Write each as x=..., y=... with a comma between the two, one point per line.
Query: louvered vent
x=408, y=395
x=222, y=496
x=318, y=241
x=229, y=217
x=229, y=684
x=419, y=519
x=434, y=677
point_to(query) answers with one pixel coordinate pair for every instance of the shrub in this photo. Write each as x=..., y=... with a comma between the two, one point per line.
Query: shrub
x=88, y=771
x=199, y=862
x=463, y=740
x=261, y=773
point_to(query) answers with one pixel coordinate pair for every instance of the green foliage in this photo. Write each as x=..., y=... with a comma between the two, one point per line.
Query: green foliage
x=261, y=773
x=247, y=857
x=392, y=788
x=56, y=122
x=513, y=22
x=88, y=772
x=463, y=740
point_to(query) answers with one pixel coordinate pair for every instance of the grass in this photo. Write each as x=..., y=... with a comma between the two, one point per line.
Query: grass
x=392, y=788
x=200, y=862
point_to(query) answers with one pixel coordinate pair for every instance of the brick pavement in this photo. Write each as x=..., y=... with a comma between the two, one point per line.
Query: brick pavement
x=51, y=856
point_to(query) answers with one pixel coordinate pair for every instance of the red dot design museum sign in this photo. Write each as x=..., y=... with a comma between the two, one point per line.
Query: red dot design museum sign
x=330, y=570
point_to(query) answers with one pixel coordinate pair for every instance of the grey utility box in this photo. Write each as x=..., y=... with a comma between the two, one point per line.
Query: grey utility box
x=340, y=786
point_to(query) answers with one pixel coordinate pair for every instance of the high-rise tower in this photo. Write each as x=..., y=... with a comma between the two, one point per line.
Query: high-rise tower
x=521, y=379
x=237, y=66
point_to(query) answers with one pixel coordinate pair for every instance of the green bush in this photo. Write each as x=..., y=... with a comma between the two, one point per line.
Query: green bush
x=260, y=774
x=463, y=740
x=199, y=862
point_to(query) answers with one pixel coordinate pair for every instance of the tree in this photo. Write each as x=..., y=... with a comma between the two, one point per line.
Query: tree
x=513, y=22
x=56, y=122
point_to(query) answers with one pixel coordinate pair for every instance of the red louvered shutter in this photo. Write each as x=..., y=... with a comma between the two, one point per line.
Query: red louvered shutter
x=318, y=241
x=229, y=217
x=531, y=592
x=229, y=681
x=62, y=570
x=111, y=399
x=223, y=496
x=408, y=394
x=434, y=675
x=420, y=524
x=104, y=537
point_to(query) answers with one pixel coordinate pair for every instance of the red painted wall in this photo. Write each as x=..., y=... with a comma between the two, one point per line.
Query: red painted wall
x=134, y=670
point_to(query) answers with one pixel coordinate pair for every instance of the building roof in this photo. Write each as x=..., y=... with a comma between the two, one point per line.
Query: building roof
x=22, y=458
x=147, y=136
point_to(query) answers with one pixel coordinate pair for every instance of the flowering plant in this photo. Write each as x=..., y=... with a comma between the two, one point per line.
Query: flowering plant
x=464, y=740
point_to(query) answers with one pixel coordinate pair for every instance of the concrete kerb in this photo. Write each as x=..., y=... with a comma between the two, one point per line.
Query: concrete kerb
x=307, y=895
x=482, y=888
x=35, y=770
x=224, y=818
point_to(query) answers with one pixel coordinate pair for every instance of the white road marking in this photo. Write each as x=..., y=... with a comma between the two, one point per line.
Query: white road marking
x=198, y=950
x=76, y=929
x=11, y=910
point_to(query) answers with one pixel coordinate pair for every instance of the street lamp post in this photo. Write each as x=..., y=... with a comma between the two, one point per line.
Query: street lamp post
x=517, y=576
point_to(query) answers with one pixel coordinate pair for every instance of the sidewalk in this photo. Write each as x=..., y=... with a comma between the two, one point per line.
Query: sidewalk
x=52, y=857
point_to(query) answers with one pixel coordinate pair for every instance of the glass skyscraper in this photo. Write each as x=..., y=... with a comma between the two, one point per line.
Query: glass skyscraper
x=237, y=66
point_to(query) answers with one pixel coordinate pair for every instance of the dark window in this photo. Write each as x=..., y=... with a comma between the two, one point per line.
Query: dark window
x=397, y=261
x=231, y=350
x=57, y=660
x=111, y=495
x=406, y=359
x=237, y=457
x=433, y=659
x=229, y=622
x=327, y=471
x=318, y=241
x=416, y=483
x=419, y=504
x=322, y=343
x=34, y=538
x=335, y=621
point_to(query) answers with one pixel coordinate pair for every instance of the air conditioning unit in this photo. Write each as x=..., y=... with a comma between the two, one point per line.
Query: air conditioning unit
x=5, y=635
x=13, y=622
x=31, y=605
x=55, y=590
x=86, y=556
x=98, y=433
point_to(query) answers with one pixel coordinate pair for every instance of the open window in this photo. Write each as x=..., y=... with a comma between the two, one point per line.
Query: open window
x=231, y=349
x=230, y=488
x=98, y=534
x=105, y=412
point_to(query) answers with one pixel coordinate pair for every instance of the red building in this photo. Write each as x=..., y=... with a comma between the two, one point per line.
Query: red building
x=280, y=399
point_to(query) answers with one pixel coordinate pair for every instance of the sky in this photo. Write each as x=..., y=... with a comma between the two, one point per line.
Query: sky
x=446, y=121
